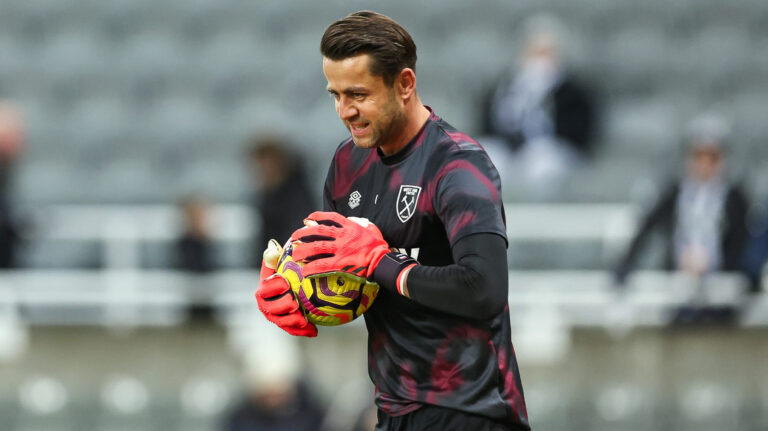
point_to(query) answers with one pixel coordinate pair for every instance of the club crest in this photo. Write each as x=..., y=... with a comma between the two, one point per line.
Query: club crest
x=406, y=202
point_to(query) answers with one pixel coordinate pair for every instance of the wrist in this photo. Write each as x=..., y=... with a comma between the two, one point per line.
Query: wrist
x=392, y=270
x=402, y=281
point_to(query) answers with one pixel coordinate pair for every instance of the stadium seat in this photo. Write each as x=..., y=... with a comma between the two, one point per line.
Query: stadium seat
x=152, y=65
x=549, y=407
x=45, y=403
x=705, y=405
x=14, y=67
x=623, y=406
x=636, y=126
x=251, y=66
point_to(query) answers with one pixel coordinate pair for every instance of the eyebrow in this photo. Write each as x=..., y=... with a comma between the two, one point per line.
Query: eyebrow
x=349, y=90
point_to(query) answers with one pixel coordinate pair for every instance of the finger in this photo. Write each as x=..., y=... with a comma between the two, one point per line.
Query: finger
x=274, y=285
x=266, y=271
x=295, y=320
x=328, y=218
x=317, y=267
x=309, y=251
x=308, y=331
x=283, y=304
x=271, y=254
x=302, y=329
x=316, y=233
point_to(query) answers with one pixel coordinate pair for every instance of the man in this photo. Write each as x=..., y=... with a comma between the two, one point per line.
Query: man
x=439, y=347
x=702, y=215
x=540, y=118
x=276, y=398
x=277, y=176
x=12, y=136
x=195, y=248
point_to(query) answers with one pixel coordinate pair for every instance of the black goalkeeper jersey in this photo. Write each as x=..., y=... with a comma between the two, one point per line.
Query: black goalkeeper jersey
x=438, y=189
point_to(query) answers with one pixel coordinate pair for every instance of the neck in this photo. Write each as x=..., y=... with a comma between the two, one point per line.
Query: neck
x=416, y=114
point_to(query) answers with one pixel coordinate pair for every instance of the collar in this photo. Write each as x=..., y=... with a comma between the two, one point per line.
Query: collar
x=410, y=146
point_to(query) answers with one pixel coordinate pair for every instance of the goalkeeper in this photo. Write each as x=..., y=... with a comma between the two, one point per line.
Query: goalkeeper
x=440, y=353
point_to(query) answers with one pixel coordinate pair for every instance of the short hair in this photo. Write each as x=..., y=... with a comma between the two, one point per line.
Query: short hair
x=265, y=146
x=390, y=46
x=194, y=199
x=709, y=130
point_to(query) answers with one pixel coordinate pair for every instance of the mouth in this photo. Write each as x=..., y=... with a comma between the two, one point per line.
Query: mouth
x=359, y=129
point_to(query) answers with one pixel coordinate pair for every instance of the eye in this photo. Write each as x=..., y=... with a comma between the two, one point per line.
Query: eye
x=340, y=281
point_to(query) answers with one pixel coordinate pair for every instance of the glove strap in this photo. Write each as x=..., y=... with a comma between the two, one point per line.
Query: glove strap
x=390, y=268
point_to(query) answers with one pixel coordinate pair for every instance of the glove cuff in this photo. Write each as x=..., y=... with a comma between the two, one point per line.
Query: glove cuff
x=388, y=270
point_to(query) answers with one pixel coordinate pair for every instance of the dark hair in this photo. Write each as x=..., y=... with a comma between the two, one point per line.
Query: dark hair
x=389, y=45
x=267, y=146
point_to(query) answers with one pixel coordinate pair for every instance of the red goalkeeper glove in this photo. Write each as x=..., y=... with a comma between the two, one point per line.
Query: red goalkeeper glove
x=276, y=300
x=333, y=243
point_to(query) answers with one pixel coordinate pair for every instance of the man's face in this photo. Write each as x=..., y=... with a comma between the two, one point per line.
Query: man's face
x=367, y=106
x=269, y=171
x=196, y=213
x=705, y=163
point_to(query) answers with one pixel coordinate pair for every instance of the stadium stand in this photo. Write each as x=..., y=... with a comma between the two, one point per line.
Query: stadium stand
x=658, y=71
x=131, y=104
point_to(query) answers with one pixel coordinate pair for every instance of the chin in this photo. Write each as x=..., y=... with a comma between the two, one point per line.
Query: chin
x=364, y=143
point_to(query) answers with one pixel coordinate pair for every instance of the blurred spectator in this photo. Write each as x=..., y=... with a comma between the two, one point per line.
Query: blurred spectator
x=756, y=255
x=9, y=236
x=277, y=399
x=194, y=249
x=702, y=215
x=540, y=119
x=282, y=196
x=11, y=145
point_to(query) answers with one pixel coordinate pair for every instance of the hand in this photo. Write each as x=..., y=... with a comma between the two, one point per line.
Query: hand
x=694, y=260
x=331, y=242
x=276, y=300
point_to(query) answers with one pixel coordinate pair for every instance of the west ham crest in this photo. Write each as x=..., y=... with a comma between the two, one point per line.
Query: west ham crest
x=406, y=202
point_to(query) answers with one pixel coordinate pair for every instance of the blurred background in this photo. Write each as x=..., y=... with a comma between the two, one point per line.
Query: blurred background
x=148, y=148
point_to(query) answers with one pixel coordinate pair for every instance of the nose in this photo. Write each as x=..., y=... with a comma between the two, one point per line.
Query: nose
x=346, y=109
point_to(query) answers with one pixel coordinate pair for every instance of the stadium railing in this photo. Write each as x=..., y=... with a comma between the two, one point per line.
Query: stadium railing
x=123, y=293
x=160, y=297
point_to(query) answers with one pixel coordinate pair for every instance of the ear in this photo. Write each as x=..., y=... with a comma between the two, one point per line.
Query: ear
x=405, y=84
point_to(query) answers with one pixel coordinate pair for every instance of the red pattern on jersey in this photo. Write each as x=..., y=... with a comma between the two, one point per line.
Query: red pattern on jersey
x=342, y=185
x=394, y=406
x=446, y=373
x=510, y=393
x=458, y=136
x=396, y=180
x=465, y=219
x=465, y=165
